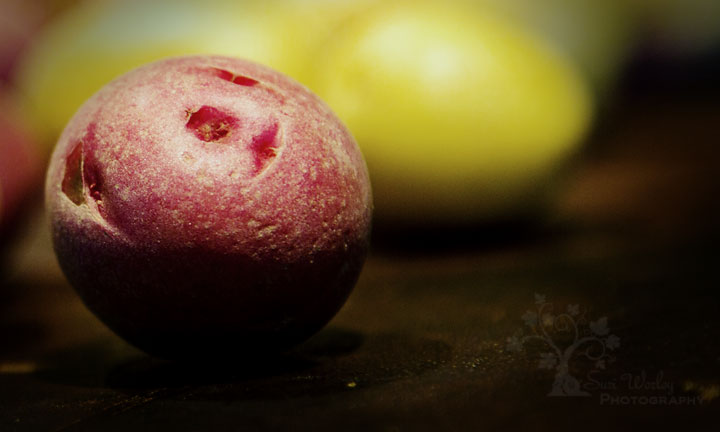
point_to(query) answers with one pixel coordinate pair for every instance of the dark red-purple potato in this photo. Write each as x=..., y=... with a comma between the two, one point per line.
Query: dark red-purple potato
x=209, y=205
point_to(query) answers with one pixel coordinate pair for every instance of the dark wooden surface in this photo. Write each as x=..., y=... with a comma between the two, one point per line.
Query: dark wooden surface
x=422, y=344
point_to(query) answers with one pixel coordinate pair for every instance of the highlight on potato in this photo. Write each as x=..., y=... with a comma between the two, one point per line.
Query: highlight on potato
x=463, y=116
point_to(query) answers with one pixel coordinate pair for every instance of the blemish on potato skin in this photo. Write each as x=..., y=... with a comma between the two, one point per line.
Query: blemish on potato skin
x=188, y=158
x=234, y=78
x=266, y=231
x=265, y=147
x=72, y=182
x=81, y=175
x=92, y=176
x=210, y=124
x=94, y=182
x=204, y=178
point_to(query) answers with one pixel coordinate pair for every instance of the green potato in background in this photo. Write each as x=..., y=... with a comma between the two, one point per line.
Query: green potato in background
x=462, y=116
x=599, y=36
x=680, y=28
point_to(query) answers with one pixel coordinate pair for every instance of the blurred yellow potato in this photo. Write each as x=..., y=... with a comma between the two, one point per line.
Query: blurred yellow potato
x=461, y=116
x=97, y=41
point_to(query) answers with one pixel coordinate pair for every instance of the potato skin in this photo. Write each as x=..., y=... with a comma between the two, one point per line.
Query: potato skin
x=208, y=204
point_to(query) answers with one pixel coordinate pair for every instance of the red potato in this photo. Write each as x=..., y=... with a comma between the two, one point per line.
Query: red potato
x=20, y=21
x=209, y=205
x=20, y=164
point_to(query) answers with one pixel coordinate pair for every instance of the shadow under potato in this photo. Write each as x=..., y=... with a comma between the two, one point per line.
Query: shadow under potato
x=149, y=372
x=84, y=365
x=20, y=332
x=115, y=364
x=335, y=360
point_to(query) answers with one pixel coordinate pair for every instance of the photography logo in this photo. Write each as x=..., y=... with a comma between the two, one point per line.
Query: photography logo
x=569, y=336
